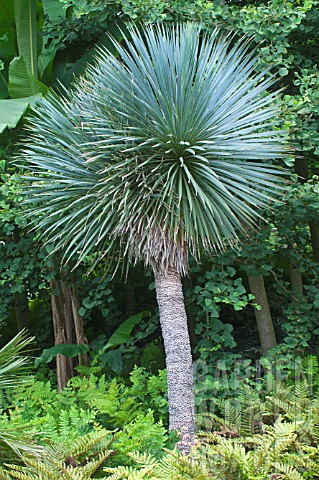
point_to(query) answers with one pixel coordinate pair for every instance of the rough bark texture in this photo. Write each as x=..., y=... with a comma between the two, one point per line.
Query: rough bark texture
x=263, y=317
x=178, y=356
x=78, y=325
x=63, y=329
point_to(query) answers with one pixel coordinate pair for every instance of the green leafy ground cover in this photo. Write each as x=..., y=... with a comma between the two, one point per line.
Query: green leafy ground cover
x=102, y=428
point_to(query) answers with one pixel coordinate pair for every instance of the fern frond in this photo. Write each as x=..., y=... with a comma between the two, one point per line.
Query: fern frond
x=128, y=473
x=99, y=440
x=62, y=462
x=4, y=475
x=144, y=459
x=177, y=466
x=290, y=473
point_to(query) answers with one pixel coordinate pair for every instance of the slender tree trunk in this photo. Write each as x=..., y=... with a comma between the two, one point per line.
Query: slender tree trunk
x=62, y=325
x=263, y=317
x=178, y=356
x=314, y=233
x=63, y=370
x=296, y=280
x=78, y=325
x=66, y=301
x=21, y=308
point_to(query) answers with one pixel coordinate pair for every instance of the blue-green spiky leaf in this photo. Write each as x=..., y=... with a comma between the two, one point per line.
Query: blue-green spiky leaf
x=161, y=150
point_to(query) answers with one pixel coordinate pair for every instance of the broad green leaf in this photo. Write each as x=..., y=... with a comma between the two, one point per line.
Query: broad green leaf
x=21, y=81
x=44, y=61
x=26, y=27
x=11, y=111
x=114, y=359
x=53, y=9
x=67, y=349
x=122, y=334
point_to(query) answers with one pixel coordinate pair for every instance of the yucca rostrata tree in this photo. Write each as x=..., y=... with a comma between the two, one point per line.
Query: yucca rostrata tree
x=161, y=152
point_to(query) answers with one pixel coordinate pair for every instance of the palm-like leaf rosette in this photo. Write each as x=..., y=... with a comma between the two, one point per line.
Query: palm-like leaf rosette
x=163, y=151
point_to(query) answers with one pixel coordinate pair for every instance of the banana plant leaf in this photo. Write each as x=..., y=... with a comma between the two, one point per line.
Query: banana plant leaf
x=54, y=9
x=123, y=332
x=25, y=16
x=11, y=110
x=22, y=83
x=67, y=349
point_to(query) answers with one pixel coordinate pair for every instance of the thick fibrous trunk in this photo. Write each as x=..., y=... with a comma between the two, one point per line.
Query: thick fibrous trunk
x=63, y=329
x=263, y=317
x=178, y=356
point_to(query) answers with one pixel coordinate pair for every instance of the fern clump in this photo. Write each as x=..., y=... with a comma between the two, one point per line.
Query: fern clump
x=58, y=462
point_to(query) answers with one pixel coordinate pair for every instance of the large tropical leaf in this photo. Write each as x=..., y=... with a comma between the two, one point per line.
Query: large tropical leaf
x=54, y=9
x=11, y=111
x=162, y=151
x=26, y=27
x=22, y=83
x=67, y=349
x=123, y=332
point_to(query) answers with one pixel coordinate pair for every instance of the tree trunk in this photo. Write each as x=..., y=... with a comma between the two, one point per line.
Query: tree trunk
x=263, y=317
x=295, y=280
x=314, y=233
x=173, y=321
x=62, y=325
x=21, y=308
x=78, y=325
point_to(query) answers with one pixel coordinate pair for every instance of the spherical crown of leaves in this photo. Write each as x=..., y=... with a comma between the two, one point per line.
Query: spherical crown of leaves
x=158, y=152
